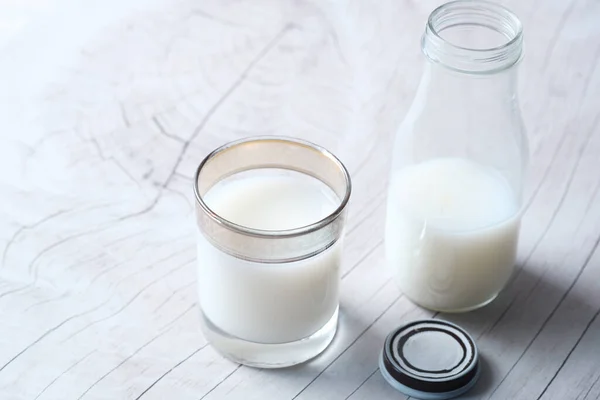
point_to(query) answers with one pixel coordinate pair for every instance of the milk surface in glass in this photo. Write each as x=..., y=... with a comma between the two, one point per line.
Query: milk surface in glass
x=269, y=302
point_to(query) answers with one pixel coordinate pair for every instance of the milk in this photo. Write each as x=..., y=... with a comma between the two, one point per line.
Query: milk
x=451, y=233
x=269, y=302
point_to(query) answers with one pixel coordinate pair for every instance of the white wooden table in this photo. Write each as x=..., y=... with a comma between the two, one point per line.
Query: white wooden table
x=107, y=107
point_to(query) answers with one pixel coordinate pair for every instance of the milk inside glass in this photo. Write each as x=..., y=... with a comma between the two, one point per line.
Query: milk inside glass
x=451, y=233
x=269, y=302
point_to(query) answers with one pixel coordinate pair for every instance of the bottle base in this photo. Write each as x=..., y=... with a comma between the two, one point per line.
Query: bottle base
x=264, y=355
x=453, y=310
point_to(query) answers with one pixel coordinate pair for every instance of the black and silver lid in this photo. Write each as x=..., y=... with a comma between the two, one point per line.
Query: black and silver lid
x=430, y=360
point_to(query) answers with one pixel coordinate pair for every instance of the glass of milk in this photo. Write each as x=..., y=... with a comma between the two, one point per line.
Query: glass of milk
x=270, y=212
x=455, y=194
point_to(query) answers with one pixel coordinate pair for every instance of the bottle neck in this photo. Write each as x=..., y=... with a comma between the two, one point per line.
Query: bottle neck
x=476, y=90
x=473, y=37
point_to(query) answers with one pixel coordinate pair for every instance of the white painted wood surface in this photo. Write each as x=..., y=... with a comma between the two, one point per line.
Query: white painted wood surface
x=107, y=107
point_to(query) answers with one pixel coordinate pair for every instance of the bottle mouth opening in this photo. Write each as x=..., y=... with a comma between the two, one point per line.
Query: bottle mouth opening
x=473, y=36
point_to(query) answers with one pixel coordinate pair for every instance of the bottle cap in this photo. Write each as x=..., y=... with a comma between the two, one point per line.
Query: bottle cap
x=430, y=360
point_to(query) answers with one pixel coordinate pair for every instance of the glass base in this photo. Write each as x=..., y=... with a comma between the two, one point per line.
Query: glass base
x=263, y=355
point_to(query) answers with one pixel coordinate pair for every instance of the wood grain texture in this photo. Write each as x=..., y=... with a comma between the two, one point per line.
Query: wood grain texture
x=97, y=281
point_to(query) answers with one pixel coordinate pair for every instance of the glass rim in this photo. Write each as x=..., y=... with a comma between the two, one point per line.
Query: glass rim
x=283, y=233
x=493, y=6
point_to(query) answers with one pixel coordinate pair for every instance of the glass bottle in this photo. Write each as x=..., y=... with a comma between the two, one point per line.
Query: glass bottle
x=455, y=194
